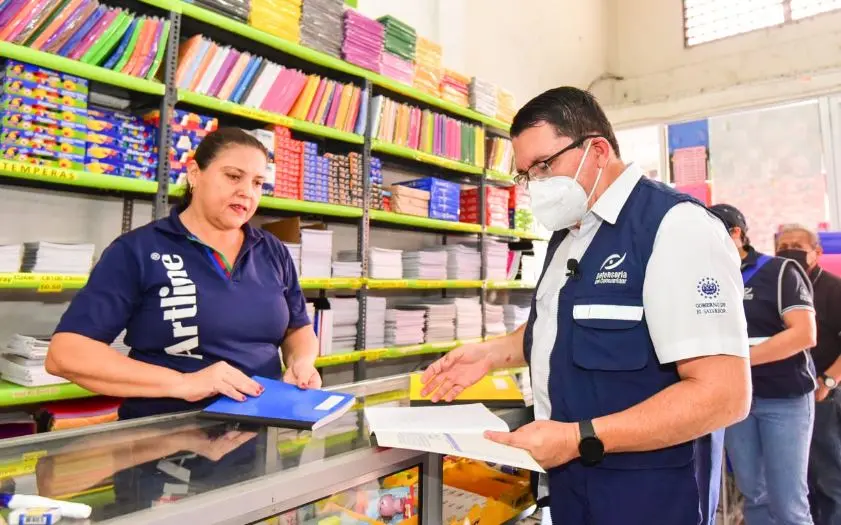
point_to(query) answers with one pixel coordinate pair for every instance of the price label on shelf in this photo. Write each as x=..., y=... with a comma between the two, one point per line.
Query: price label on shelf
x=428, y=284
x=390, y=284
x=338, y=359
x=74, y=281
x=256, y=114
x=6, y=279
x=24, y=278
x=20, y=168
x=47, y=286
x=376, y=355
x=314, y=283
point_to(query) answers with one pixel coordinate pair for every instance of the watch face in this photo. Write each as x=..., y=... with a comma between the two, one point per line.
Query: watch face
x=830, y=382
x=591, y=450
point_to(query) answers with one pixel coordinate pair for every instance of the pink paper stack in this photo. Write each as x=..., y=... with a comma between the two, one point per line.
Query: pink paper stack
x=395, y=67
x=363, y=43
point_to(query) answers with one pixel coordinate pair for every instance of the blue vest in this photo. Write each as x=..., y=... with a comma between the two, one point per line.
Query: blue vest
x=603, y=360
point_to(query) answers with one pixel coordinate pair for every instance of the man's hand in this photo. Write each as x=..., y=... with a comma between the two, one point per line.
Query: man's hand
x=821, y=393
x=449, y=376
x=302, y=374
x=550, y=443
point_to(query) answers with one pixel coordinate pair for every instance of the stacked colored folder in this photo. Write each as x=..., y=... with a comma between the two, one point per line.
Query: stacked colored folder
x=87, y=31
x=231, y=8
x=322, y=26
x=501, y=155
x=455, y=87
x=363, y=44
x=427, y=131
x=428, y=66
x=506, y=107
x=397, y=68
x=223, y=72
x=281, y=18
x=400, y=38
x=483, y=96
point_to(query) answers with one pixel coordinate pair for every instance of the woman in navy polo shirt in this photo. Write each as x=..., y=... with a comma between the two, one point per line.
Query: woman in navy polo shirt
x=769, y=450
x=206, y=299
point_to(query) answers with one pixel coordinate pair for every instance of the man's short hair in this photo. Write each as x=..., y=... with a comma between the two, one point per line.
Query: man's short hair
x=814, y=240
x=573, y=113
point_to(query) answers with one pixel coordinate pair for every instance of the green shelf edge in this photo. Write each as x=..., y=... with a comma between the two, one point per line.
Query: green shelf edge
x=420, y=284
x=423, y=222
x=330, y=62
x=315, y=208
x=493, y=230
x=331, y=284
x=508, y=285
x=498, y=176
x=63, y=177
x=80, y=69
x=16, y=395
x=426, y=158
x=268, y=117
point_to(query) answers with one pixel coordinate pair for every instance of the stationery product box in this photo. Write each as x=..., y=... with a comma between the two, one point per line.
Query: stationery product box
x=42, y=92
x=410, y=201
x=40, y=157
x=20, y=104
x=43, y=141
x=54, y=79
x=43, y=123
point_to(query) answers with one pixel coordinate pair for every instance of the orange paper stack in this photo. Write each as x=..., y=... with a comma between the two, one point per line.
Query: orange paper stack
x=427, y=66
x=505, y=106
x=455, y=87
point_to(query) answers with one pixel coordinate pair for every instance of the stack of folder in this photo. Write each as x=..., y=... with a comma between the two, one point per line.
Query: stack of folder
x=363, y=44
x=49, y=257
x=455, y=87
x=321, y=26
x=237, y=9
x=428, y=68
x=505, y=107
x=88, y=31
x=11, y=257
x=281, y=18
x=483, y=96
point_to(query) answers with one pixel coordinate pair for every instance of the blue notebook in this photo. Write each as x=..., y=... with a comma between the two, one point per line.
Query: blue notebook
x=283, y=405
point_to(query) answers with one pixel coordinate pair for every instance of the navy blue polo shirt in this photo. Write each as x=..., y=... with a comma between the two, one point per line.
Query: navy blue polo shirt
x=182, y=311
x=779, y=286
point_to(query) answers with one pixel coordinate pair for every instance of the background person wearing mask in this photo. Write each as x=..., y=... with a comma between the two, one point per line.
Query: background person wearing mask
x=803, y=245
x=206, y=300
x=769, y=450
x=636, y=339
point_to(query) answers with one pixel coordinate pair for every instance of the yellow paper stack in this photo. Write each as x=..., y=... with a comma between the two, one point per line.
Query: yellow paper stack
x=427, y=66
x=455, y=87
x=281, y=18
x=505, y=107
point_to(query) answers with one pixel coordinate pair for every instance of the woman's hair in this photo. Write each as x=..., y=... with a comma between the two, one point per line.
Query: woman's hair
x=212, y=145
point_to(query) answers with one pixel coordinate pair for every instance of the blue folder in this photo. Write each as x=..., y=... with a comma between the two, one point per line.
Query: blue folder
x=282, y=405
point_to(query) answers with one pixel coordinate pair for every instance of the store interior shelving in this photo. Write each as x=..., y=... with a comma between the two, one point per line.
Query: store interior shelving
x=165, y=96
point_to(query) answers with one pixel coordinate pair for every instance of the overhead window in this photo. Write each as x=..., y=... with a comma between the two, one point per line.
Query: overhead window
x=708, y=20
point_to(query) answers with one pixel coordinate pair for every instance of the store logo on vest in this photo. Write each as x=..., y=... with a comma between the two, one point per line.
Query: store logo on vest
x=178, y=302
x=609, y=272
x=710, y=291
x=748, y=293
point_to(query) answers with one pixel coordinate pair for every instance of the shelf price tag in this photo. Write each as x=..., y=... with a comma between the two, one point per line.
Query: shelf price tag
x=6, y=279
x=50, y=286
x=391, y=284
x=24, y=279
x=338, y=359
x=314, y=283
x=74, y=281
x=376, y=355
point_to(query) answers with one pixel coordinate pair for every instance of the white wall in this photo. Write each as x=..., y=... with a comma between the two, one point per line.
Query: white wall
x=526, y=46
x=663, y=80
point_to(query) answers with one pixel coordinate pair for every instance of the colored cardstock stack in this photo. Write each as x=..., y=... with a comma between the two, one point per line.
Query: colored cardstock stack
x=281, y=18
x=455, y=87
x=501, y=155
x=44, y=116
x=363, y=44
x=188, y=130
x=409, y=201
x=496, y=206
x=428, y=67
x=322, y=26
x=121, y=144
x=505, y=106
x=444, y=197
x=88, y=31
x=399, y=53
x=483, y=97
x=289, y=164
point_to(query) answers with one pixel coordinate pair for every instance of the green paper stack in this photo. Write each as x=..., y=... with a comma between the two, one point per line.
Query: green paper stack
x=400, y=38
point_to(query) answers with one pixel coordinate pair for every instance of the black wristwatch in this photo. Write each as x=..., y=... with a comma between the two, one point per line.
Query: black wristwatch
x=590, y=447
x=829, y=382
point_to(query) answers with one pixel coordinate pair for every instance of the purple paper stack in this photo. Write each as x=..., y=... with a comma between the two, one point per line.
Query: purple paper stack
x=363, y=43
x=395, y=67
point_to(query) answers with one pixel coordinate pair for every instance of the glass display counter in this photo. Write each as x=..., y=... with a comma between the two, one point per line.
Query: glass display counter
x=180, y=470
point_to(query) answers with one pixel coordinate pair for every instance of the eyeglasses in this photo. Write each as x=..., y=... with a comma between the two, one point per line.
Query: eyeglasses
x=543, y=168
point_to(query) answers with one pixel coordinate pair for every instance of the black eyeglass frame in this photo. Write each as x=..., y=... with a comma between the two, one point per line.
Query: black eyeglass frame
x=525, y=178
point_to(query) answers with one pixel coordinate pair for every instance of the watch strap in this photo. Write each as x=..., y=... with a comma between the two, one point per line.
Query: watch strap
x=586, y=429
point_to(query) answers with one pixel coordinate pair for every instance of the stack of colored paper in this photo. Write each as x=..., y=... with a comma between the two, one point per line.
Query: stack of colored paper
x=455, y=87
x=89, y=32
x=483, y=97
x=363, y=44
x=397, y=68
x=230, y=8
x=281, y=18
x=506, y=107
x=427, y=66
x=322, y=26
x=400, y=38
x=501, y=155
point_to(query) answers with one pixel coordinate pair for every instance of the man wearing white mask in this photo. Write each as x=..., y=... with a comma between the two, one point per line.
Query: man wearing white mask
x=637, y=340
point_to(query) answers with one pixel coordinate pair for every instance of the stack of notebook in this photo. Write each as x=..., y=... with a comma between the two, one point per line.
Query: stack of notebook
x=440, y=327
x=427, y=264
x=496, y=256
x=345, y=318
x=375, y=322
x=468, y=318
x=22, y=362
x=281, y=18
x=385, y=264
x=483, y=96
x=463, y=262
x=49, y=257
x=321, y=26
x=349, y=269
x=515, y=316
x=427, y=66
x=295, y=254
x=11, y=257
x=404, y=325
x=316, y=253
x=494, y=319
x=363, y=44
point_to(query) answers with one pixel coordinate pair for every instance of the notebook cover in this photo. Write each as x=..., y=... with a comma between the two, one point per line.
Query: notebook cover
x=159, y=55
x=212, y=70
x=94, y=34
x=79, y=34
x=235, y=75
x=141, y=48
x=224, y=72
x=281, y=405
x=39, y=23
x=492, y=391
x=148, y=57
x=109, y=40
x=127, y=52
x=124, y=41
x=247, y=78
x=316, y=100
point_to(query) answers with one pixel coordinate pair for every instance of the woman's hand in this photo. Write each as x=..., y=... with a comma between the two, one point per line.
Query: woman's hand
x=218, y=378
x=302, y=374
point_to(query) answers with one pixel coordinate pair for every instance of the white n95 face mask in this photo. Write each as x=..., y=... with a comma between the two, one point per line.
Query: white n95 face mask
x=560, y=202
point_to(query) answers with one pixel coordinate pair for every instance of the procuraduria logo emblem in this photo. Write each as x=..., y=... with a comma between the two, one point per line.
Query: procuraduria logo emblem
x=609, y=272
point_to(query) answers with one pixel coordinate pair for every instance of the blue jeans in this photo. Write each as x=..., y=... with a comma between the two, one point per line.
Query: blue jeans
x=825, y=462
x=769, y=453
